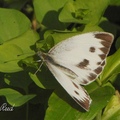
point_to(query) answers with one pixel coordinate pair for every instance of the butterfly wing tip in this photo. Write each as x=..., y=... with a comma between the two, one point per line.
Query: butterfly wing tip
x=85, y=104
x=105, y=36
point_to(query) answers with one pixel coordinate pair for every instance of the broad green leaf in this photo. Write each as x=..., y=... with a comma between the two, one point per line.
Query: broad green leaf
x=16, y=49
x=82, y=11
x=112, y=110
x=60, y=110
x=47, y=12
x=112, y=67
x=15, y=98
x=74, y=11
x=16, y=25
x=117, y=43
x=96, y=15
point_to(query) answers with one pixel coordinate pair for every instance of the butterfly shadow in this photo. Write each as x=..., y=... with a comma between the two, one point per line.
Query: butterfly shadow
x=62, y=94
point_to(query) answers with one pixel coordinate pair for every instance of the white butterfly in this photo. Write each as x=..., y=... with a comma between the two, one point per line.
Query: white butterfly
x=77, y=61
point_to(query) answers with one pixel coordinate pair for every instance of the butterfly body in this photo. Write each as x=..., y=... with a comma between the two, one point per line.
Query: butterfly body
x=77, y=61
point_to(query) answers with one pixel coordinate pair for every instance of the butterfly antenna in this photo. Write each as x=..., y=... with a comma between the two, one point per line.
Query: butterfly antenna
x=39, y=67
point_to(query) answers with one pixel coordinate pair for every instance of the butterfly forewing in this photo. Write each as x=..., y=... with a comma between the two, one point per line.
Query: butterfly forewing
x=79, y=60
x=83, y=54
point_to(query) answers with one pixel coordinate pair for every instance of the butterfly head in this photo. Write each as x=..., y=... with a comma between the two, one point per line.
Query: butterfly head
x=42, y=55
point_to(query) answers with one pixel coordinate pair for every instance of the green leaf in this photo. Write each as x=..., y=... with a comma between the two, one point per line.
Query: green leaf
x=16, y=49
x=16, y=25
x=112, y=67
x=47, y=12
x=106, y=25
x=60, y=110
x=82, y=11
x=74, y=11
x=15, y=98
x=117, y=43
x=46, y=44
x=112, y=110
x=36, y=80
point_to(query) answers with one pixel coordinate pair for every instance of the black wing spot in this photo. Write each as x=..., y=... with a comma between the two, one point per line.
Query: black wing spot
x=98, y=70
x=104, y=36
x=83, y=64
x=92, y=76
x=92, y=49
x=75, y=85
x=83, y=103
x=104, y=50
x=102, y=56
x=76, y=92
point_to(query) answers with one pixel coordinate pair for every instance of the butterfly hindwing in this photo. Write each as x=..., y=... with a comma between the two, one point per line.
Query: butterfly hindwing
x=77, y=92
